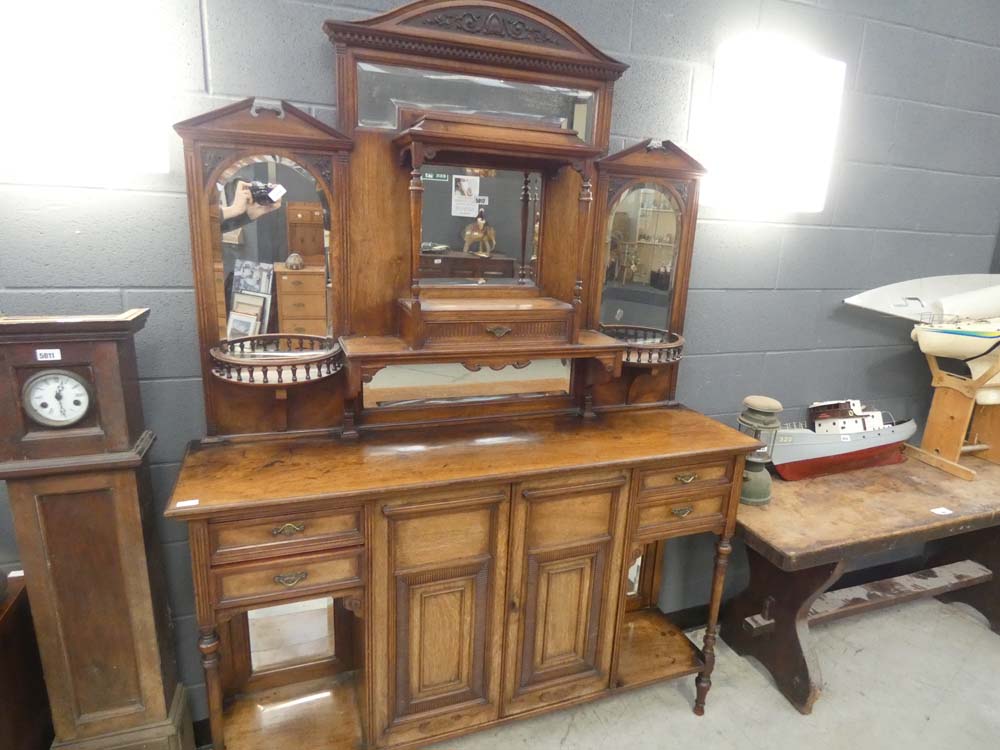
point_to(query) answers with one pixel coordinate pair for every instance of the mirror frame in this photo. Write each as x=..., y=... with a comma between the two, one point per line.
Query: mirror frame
x=213, y=142
x=660, y=163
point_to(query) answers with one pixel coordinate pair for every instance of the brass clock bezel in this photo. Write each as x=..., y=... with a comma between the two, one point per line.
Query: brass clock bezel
x=45, y=421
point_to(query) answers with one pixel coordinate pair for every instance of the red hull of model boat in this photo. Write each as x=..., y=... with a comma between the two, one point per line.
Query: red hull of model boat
x=882, y=455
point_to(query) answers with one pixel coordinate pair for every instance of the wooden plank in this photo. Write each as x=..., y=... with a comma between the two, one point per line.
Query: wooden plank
x=940, y=462
x=834, y=605
x=947, y=423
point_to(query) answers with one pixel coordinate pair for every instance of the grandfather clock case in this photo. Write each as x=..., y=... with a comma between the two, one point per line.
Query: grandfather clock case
x=73, y=452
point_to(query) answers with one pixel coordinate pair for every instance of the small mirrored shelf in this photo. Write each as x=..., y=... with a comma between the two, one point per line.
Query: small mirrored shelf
x=646, y=346
x=276, y=360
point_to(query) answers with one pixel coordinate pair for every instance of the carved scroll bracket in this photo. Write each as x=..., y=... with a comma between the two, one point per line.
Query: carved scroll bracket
x=496, y=366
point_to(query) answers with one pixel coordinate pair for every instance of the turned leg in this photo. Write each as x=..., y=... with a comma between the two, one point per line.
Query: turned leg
x=983, y=547
x=777, y=603
x=704, y=679
x=208, y=645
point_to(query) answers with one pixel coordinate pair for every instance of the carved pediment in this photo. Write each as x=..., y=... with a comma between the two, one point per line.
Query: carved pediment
x=253, y=122
x=488, y=22
x=654, y=158
x=501, y=33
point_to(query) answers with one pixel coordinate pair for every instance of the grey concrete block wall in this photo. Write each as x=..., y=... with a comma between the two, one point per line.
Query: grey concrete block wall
x=915, y=191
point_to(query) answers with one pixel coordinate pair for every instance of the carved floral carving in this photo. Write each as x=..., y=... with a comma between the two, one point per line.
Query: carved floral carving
x=502, y=24
x=321, y=163
x=212, y=157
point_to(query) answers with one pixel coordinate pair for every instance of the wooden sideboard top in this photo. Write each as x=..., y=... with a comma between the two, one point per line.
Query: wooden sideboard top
x=826, y=519
x=236, y=477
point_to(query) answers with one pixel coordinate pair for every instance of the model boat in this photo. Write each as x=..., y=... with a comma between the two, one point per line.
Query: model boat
x=957, y=317
x=974, y=342
x=839, y=436
x=975, y=295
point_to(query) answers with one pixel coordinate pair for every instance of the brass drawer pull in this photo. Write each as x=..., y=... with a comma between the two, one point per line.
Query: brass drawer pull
x=296, y=282
x=686, y=478
x=290, y=580
x=682, y=512
x=288, y=529
x=498, y=331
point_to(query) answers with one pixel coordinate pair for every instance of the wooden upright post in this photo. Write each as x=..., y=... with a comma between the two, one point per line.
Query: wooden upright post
x=948, y=434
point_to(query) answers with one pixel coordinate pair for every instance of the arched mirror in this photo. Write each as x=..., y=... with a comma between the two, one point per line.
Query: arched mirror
x=641, y=244
x=267, y=187
x=271, y=233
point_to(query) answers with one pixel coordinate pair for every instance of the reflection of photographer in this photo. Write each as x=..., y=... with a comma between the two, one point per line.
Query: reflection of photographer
x=248, y=201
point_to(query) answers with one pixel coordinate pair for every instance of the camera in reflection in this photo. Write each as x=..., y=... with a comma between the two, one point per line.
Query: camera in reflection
x=266, y=193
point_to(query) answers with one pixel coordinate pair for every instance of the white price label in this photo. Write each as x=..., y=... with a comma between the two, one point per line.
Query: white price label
x=942, y=511
x=48, y=355
x=187, y=503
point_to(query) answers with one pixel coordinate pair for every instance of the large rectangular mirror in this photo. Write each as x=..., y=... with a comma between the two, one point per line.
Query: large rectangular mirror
x=479, y=225
x=385, y=89
x=427, y=384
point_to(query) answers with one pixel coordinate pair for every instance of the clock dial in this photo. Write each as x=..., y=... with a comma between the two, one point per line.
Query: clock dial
x=56, y=398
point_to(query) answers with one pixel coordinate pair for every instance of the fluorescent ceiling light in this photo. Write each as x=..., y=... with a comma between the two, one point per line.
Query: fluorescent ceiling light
x=772, y=126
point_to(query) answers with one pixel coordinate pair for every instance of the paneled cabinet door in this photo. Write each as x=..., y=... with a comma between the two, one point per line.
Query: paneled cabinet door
x=439, y=585
x=567, y=536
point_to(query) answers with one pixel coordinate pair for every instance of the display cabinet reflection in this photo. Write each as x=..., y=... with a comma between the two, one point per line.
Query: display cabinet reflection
x=640, y=250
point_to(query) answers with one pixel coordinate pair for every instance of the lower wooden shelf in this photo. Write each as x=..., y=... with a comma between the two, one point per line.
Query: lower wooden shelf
x=652, y=648
x=321, y=713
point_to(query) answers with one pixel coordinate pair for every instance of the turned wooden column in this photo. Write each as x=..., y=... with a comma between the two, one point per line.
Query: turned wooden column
x=416, y=228
x=583, y=227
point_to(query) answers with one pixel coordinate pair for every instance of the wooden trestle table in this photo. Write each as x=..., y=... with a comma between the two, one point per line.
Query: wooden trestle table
x=801, y=543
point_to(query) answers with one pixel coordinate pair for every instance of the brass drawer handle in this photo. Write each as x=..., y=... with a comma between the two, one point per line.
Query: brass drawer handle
x=296, y=283
x=686, y=478
x=498, y=331
x=682, y=512
x=288, y=529
x=290, y=580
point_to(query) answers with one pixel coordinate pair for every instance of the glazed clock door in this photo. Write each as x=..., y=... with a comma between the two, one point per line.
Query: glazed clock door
x=566, y=553
x=439, y=575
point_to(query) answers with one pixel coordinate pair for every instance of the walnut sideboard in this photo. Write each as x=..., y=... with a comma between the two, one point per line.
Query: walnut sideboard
x=480, y=576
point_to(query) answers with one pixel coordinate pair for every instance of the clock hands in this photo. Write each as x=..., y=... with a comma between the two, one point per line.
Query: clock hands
x=59, y=400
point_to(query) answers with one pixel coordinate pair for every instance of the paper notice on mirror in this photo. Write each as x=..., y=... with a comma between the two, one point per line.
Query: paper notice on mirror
x=464, y=195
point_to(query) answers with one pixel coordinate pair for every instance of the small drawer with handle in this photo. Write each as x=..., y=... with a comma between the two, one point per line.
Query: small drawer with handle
x=302, y=306
x=292, y=577
x=687, y=477
x=293, y=533
x=310, y=326
x=302, y=283
x=657, y=519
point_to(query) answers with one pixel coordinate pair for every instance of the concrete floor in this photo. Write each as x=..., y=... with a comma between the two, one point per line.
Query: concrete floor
x=921, y=675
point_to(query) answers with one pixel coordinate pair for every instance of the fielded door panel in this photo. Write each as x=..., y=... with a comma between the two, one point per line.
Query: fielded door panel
x=439, y=585
x=567, y=537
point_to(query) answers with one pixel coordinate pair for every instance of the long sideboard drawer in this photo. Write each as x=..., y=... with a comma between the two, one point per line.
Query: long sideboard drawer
x=687, y=477
x=657, y=519
x=285, y=534
x=290, y=577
